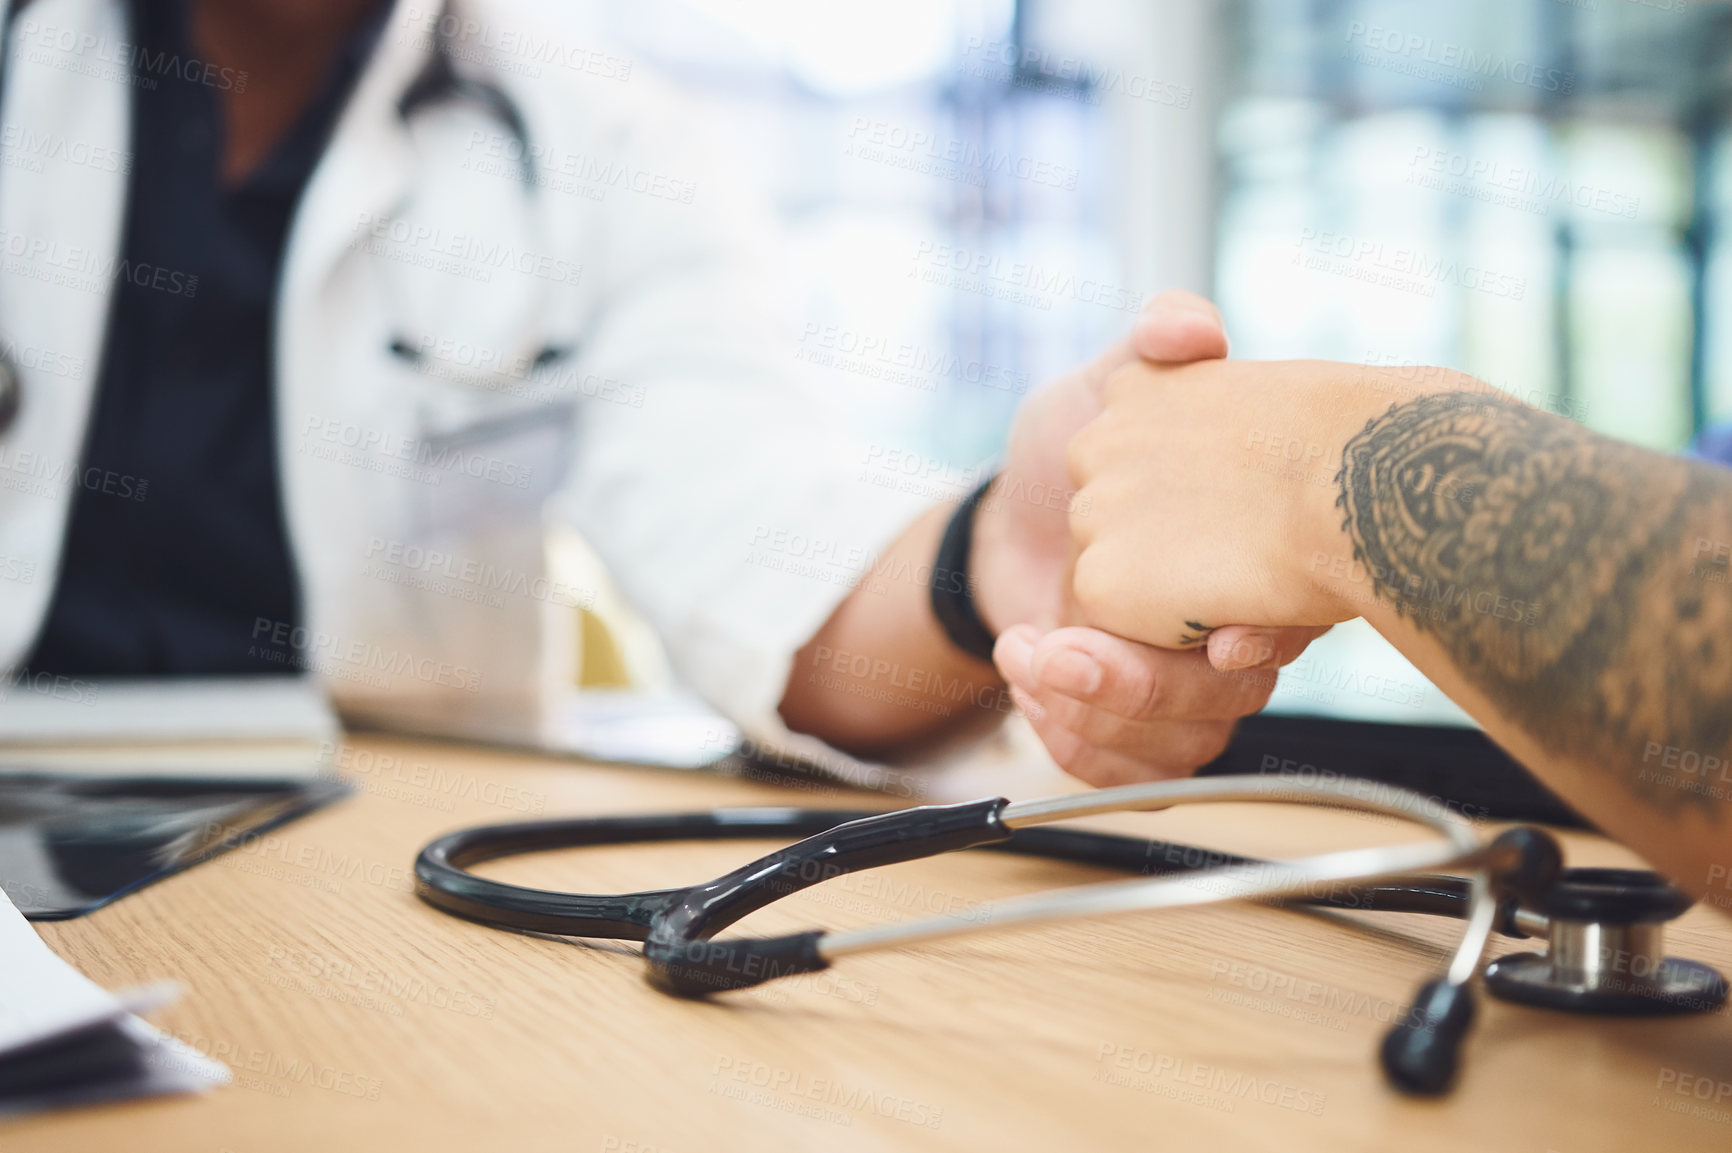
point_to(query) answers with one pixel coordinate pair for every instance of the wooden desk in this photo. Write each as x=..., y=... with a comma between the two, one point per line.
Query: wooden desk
x=355, y=1017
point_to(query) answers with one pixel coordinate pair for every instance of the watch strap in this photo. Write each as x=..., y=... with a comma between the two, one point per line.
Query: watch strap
x=953, y=582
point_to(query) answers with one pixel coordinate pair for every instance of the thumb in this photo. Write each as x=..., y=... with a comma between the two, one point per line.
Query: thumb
x=1258, y=647
x=1174, y=327
x=1177, y=327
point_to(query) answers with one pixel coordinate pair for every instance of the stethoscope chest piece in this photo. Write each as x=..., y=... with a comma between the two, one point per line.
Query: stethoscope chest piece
x=1606, y=954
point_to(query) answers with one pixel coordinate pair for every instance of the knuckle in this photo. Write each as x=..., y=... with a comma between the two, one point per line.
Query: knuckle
x=1140, y=690
x=1065, y=712
x=1091, y=582
x=1077, y=516
x=1081, y=454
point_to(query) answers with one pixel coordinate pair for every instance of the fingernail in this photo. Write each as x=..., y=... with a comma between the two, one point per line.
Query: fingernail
x=1247, y=652
x=1070, y=671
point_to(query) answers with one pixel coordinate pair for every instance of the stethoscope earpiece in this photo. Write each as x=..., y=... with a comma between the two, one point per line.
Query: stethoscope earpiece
x=1525, y=864
x=1422, y=1052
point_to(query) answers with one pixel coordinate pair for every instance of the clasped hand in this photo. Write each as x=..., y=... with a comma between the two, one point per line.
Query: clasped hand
x=1113, y=710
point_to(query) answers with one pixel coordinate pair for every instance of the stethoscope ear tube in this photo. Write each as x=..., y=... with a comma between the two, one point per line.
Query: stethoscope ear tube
x=681, y=958
x=442, y=878
x=698, y=968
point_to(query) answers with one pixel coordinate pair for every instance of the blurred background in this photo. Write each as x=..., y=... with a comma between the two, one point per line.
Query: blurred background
x=976, y=195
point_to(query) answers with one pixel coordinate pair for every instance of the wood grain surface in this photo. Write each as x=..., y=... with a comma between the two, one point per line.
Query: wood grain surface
x=356, y=1017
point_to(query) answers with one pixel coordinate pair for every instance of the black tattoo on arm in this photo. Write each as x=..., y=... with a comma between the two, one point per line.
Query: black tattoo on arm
x=1565, y=573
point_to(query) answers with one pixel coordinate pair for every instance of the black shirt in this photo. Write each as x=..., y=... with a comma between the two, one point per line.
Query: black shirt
x=170, y=573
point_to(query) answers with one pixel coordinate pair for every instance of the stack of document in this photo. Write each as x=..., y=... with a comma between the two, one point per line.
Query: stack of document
x=64, y=1040
x=278, y=727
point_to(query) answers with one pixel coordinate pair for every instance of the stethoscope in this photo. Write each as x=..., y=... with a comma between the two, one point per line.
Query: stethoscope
x=11, y=380
x=440, y=82
x=11, y=391
x=1604, y=927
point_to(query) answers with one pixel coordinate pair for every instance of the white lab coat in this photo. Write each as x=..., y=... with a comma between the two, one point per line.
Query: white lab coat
x=665, y=426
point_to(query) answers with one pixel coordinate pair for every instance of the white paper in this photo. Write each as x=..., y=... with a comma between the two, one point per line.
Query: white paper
x=42, y=999
x=671, y=729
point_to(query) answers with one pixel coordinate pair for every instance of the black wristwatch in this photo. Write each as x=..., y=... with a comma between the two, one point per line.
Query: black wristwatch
x=953, y=583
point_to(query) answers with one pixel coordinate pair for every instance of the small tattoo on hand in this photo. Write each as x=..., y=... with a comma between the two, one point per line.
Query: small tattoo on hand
x=1199, y=633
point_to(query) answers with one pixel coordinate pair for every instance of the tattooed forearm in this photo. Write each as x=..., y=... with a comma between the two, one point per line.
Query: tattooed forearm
x=1565, y=574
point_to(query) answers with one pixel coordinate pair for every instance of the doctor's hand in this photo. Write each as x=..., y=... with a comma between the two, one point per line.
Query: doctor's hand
x=1109, y=710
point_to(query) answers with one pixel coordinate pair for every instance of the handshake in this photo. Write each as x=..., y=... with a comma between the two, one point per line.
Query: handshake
x=1137, y=626
x=1549, y=580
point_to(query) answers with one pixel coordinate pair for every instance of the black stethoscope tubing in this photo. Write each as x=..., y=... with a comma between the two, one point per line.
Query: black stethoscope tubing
x=443, y=879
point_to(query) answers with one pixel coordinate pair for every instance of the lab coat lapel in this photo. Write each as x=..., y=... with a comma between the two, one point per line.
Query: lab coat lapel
x=65, y=146
x=335, y=371
x=366, y=169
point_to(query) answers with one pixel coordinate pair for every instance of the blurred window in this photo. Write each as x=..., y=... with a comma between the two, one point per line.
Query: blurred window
x=939, y=187
x=1524, y=189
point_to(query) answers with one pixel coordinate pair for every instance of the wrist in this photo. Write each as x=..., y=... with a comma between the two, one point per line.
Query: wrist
x=1339, y=412
x=955, y=582
x=1343, y=411
x=995, y=590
